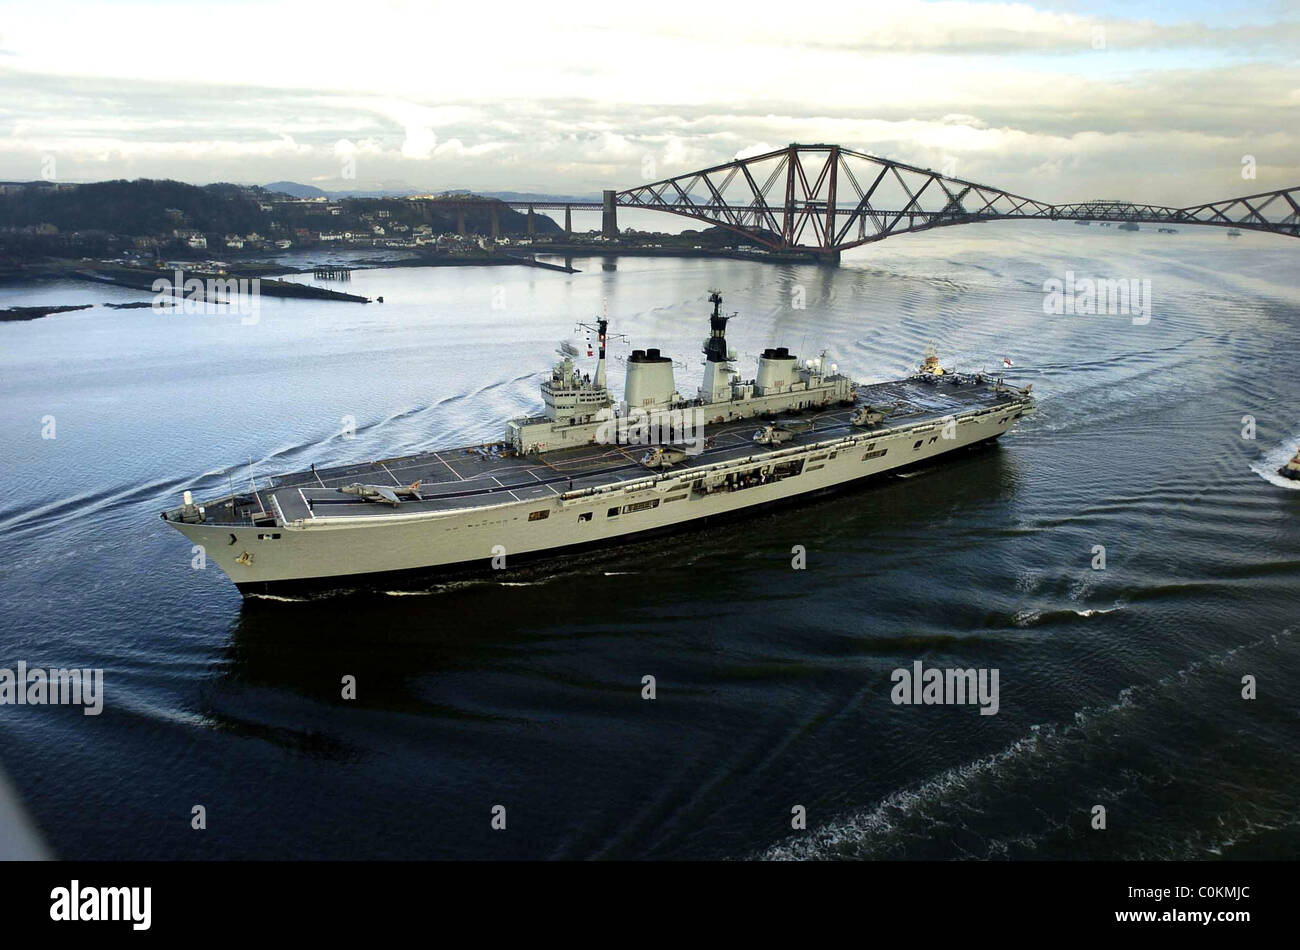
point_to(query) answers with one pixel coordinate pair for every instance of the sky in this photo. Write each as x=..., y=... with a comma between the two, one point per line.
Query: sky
x=1059, y=100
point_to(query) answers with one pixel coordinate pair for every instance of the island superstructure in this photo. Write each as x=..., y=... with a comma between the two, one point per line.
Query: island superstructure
x=590, y=470
x=579, y=408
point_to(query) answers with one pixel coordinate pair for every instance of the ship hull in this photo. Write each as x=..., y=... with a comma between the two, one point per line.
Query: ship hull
x=411, y=578
x=311, y=554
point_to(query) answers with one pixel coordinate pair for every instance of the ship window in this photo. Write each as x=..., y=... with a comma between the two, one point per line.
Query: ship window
x=641, y=506
x=269, y=537
x=933, y=439
x=612, y=513
x=874, y=455
x=918, y=443
x=585, y=516
x=539, y=515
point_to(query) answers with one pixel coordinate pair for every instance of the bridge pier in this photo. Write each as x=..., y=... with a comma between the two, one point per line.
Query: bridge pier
x=531, y=228
x=568, y=221
x=460, y=221
x=496, y=221
x=830, y=257
x=609, y=215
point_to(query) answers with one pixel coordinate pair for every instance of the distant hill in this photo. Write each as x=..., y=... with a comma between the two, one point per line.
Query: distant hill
x=295, y=190
x=158, y=208
x=534, y=196
x=143, y=206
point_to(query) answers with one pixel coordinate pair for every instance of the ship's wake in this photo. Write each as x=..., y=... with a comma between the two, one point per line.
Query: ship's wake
x=985, y=800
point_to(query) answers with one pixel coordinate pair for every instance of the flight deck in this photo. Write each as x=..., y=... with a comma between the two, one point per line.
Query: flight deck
x=485, y=475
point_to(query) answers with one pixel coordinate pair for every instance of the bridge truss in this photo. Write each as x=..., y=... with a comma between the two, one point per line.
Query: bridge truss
x=827, y=199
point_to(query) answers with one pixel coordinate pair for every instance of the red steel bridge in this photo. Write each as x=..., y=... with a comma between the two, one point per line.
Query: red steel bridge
x=825, y=199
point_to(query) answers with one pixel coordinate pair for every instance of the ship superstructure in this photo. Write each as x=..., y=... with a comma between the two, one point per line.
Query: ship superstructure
x=591, y=470
x=579, y=410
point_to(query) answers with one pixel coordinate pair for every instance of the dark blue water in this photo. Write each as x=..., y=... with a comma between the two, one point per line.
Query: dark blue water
x=1118, y=687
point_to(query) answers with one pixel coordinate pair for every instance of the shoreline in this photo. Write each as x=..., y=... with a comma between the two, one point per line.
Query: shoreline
x=17, y=314
x=140, y=279
x=267, y=272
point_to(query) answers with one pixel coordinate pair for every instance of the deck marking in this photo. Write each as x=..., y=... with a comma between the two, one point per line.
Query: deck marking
x=304, y=499
x=317, y=474
x=438, y=456
x=395, y=479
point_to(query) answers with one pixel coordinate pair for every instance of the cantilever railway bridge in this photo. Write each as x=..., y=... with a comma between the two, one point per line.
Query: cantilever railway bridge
x=824, y=199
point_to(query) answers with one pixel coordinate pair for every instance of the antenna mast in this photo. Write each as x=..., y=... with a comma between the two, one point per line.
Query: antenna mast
x=601, y=329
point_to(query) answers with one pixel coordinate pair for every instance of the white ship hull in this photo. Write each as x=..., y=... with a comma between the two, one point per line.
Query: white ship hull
x=323, y=551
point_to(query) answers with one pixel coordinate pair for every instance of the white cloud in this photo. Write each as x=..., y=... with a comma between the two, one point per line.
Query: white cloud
x=419, y=142
x=590, y=100
x=749, y=151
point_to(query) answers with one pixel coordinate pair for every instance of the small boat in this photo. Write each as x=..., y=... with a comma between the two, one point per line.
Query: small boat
x=1291, y=469
x=1233, y=232
x=930, y=370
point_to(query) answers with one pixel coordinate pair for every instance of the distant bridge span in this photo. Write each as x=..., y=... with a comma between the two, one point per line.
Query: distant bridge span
x=825, y=199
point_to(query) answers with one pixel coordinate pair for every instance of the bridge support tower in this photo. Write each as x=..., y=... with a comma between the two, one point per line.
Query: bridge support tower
x=609, y=215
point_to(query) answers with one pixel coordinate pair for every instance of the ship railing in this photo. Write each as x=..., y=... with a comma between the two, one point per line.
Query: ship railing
x=687, y=475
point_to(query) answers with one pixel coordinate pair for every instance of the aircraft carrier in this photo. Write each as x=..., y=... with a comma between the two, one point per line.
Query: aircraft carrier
x=590, y=470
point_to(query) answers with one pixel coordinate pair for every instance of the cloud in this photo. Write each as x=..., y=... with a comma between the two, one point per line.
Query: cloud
x=419, y=142
x=1164, y=112
x=749, y=151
